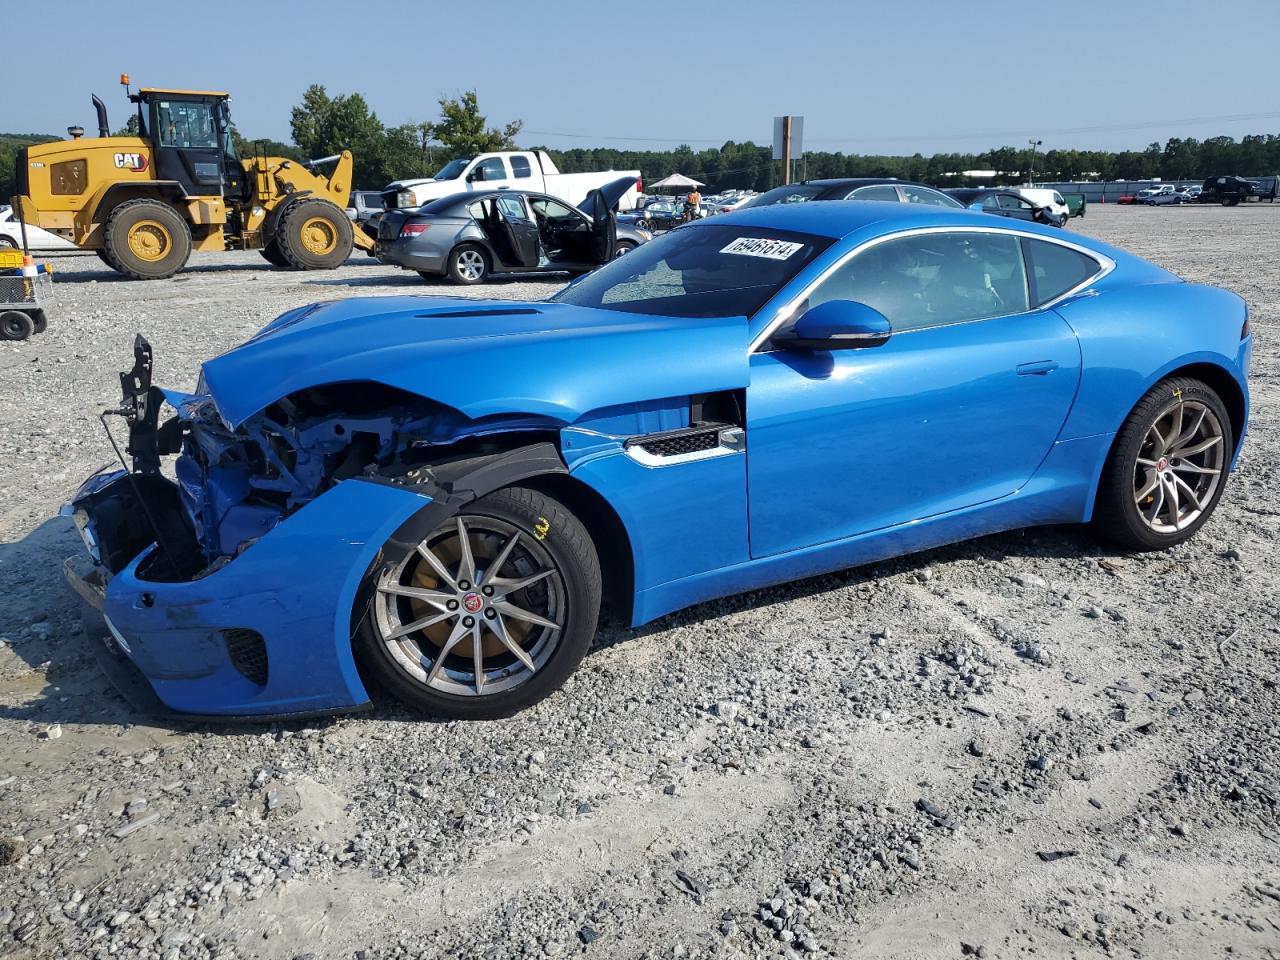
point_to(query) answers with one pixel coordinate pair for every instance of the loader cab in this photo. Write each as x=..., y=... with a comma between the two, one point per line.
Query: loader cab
x=190, y=133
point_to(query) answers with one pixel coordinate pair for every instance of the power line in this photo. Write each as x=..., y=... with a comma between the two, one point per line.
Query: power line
x=1063, y=131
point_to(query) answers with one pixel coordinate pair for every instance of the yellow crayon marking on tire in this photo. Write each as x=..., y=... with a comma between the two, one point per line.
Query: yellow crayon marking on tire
x=541, y=528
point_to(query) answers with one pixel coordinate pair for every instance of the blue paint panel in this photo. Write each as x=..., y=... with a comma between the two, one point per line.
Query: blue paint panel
x=933, y=420
x=682, y=519
x=559, y=362
x=295, y=586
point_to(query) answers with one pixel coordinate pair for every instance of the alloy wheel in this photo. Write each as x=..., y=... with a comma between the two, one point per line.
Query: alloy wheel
x=478, y=608
x=471, y=264
x=1179, y=466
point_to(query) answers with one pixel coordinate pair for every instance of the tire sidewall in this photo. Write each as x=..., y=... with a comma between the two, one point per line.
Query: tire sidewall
x=1118, y=479
x=15, y=325
x=580, y=571
x=287, y=235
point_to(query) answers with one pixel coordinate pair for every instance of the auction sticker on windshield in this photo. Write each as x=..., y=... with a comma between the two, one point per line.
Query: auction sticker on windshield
x=762, y=247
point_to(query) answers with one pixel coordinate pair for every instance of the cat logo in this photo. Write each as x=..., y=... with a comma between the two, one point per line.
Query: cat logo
x=131, y=161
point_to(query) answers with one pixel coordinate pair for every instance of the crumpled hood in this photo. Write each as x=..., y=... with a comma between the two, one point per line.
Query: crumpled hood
x=482, y=357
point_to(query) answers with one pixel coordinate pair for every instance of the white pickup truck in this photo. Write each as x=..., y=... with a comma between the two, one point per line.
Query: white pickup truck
x=508, y=170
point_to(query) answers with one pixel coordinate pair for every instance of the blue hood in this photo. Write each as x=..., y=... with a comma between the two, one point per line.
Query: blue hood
x=482, y=357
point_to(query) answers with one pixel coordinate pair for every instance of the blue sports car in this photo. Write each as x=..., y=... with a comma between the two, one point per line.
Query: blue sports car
x=439, y=494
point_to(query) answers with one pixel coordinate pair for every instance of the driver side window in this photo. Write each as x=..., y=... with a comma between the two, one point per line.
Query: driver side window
x=933, y=279
x=491, y=169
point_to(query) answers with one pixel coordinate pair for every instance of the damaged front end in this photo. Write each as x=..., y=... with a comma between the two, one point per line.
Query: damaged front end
x=230, y=587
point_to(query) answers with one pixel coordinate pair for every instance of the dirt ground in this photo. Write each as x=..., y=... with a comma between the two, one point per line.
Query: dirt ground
x=1027, y=745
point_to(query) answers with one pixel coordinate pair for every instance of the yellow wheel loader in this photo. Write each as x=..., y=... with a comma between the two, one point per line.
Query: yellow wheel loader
x=145, y=202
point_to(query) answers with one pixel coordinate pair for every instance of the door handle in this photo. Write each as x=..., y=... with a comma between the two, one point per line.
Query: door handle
x=1037, y=368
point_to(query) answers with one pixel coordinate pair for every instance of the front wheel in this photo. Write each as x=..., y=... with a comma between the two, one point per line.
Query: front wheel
x=623, y=247
x=1167, y=468
x=7, y=242
x=491, y=612
x=313, y=234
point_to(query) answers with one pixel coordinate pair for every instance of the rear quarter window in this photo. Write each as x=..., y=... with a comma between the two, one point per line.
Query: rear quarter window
x=1054, y=269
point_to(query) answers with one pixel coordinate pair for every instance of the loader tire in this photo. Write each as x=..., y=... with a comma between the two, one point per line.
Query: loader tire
x=271, y=253
x=146, y=240
x=313, y=235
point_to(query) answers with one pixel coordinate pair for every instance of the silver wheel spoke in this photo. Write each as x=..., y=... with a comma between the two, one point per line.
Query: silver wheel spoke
x=1200, y=447
x=467, y=563
x=477, y=657
x=459, y=631
x=1186, y=435
x=434, y=563
x=1171, y=499
x=1143, y=462
x=505, y=587
x=417, y=625
x=1161, y=446
x=436, y=598
x=509, y=609
x=1152, y=482
x=492, y=571
x=499, y=627
x=1195, y=468
x=1156, y=504
x=1191, y=494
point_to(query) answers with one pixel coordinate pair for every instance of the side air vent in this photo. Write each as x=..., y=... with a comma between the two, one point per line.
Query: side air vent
x=700, y=442
x=248, y=653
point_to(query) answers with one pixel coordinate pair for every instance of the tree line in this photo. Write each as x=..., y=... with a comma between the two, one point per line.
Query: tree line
x=324, y=124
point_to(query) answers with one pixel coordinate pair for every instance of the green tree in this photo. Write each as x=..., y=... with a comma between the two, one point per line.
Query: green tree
x=324, y=125
x=462, y=129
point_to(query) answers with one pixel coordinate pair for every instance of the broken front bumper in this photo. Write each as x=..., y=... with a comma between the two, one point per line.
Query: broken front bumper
x=268, y=633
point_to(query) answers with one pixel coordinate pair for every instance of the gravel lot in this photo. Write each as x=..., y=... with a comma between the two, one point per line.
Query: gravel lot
x=1025, y=745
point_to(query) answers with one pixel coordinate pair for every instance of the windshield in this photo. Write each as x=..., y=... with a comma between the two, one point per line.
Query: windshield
x=796, y=193
x=453, y=169
x=703, y=271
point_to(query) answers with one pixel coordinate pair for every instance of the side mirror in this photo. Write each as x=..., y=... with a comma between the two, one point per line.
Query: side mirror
x=837, y=325
x=476, y=174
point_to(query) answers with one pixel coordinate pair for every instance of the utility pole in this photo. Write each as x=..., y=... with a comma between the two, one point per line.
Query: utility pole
x=786, y=150
x=1031, y=174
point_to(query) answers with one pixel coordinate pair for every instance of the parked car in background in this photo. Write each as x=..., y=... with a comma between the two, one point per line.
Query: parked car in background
x=1044, y=197
x=730, y=204
x=1230, y=191
x=469, y=237
x=1128, y=198
x=363, y=205
x=1193, y=193
x=38, y=240
x=1005, y=202
x=855, y=188
x=1171, y=198
x=445, y=490
x=1155, y=190
x=506, y=170
x=661, y=215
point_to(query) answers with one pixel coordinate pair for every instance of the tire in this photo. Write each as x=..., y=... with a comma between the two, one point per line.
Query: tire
x=102, y=255
x=313, y=235
x=1137, y=463
x=8, y=243
x=40, y=320
x=146, y=240
x=271, y=253
x=552, y=545
x=622, y=247
x=468, y=265
x=1230, y=201
x=16, y=325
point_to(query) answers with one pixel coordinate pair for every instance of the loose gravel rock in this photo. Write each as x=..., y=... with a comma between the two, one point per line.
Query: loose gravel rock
x=1023, y=745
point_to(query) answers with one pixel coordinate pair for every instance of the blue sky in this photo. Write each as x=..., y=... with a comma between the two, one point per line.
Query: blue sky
x=873, y=77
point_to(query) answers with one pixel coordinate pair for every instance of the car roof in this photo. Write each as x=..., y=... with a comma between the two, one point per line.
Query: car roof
x=839, y=218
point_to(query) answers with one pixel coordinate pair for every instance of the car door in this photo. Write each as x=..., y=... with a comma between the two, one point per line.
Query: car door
x=519, y=231
x=1017, y=208
x=491, y=173
x=958, y=407
x=604, y=228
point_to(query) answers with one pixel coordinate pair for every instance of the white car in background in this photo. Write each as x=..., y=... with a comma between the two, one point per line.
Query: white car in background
x=40, y=241
x=1043, y=197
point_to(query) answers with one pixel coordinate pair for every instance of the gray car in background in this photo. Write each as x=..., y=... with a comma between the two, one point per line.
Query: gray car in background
x=469, y=237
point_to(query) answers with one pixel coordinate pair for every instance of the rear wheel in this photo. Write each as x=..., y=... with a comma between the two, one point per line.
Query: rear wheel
x=623, y=247
x=7, y=242
x=313, y=235
x=468, y=265
x=1168, y=467
x=491, y=613
x=15, y=325
x=146, y=240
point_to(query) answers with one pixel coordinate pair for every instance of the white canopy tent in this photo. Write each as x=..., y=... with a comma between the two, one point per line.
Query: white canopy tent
x=677, y=181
